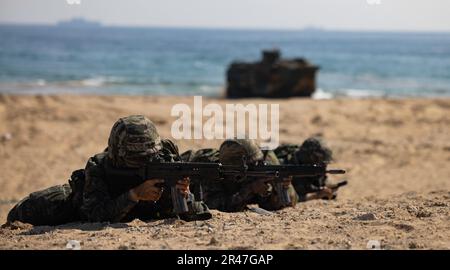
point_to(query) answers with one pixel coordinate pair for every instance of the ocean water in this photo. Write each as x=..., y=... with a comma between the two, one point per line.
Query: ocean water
x=156, y=61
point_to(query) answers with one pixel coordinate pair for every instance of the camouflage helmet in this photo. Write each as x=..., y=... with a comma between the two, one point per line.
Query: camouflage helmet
x=206, y=155
x=133, y=140
x=313, y=151
x=232, y=151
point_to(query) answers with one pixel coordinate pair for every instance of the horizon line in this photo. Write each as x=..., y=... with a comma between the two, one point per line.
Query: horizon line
x=311, y=28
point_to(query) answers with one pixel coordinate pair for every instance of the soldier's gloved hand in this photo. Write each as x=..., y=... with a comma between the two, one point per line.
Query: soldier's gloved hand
x=183, y=186
x=259, y=187
x=326, y=193
x=150, y=190
x=287, y=182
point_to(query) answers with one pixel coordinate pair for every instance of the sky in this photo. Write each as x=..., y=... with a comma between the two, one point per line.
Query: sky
x=372, y=15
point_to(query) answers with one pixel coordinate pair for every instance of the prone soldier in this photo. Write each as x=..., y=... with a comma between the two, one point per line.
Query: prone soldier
x=312, y=151
x=229, y=195
x=100, y=192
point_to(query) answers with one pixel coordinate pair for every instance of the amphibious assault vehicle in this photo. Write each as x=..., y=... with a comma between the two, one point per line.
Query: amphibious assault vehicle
x=271, y=77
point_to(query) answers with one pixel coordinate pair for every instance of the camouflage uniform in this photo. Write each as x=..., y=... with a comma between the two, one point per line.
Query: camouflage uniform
x=272, y=202
x=229, y=195
x=51, y=206
x=312, y=151
x=208, y=155
x=99, y=192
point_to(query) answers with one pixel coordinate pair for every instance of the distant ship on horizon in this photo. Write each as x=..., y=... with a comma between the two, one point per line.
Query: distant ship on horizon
x=79, y=23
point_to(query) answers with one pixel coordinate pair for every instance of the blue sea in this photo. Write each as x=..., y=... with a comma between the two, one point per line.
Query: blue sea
x=159, y=61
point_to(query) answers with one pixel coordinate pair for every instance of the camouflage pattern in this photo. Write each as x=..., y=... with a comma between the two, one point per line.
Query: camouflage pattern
x=206, y=155
x=132, y=141
x=51, y=206
x=187, y=155
x=272, y=202
x=270, y=157
x=232, y=151
x=233, y=196
x=92, y=196
x=312, y=151
x=286, y=153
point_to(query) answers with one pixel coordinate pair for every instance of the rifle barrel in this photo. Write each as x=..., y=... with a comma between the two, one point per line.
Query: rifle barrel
x=335, y=171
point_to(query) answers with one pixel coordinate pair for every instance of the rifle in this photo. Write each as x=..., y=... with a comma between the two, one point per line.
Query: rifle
x=172, y=172
x=336, y=186
x=277, y=174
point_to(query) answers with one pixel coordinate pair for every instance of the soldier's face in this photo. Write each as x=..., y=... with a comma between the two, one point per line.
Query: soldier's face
x=139, y=159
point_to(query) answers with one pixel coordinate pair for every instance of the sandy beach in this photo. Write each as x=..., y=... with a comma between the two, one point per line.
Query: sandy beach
x=396, y=153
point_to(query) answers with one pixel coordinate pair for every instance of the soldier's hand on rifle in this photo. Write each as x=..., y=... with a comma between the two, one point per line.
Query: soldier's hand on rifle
x=150, y=190
x=260, y=188
x=183, y=186
x=326, y=193
x=287, y=182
